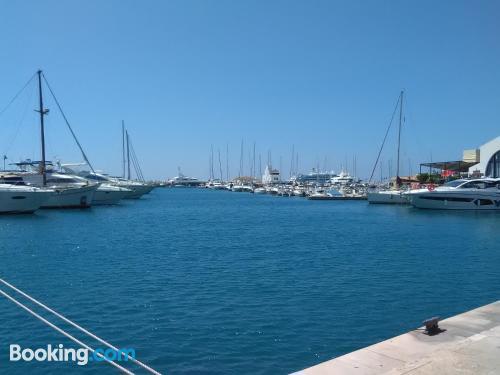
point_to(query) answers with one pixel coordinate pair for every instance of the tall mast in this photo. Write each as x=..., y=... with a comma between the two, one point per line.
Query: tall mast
x=253, y=169
x=241, y=160
x=42, y=112
x=211, y=162
x=220, y=166
x=227, y=162
x=128, y=155
x=123, y=149
x=399, y=133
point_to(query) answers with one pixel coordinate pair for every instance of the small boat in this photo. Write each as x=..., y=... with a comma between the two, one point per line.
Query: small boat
x=273, y=190
x=321, y=196
x=260, y=190
x=242, y=189
x=215, y=185
x=477, y=194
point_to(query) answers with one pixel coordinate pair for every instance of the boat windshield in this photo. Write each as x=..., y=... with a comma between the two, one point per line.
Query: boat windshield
x=478, y=185
x=96, y=177
x=454, y=183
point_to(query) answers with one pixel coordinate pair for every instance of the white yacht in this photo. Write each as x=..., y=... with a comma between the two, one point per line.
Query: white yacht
x=477, y=194
x=21, y=198
x=216, y=185
x=343, y=178
x=183, y=181
x=242, y=188
x=107, y=193
x=260, y=190
x=137, y=188
x=387, y=197
x=68, y=191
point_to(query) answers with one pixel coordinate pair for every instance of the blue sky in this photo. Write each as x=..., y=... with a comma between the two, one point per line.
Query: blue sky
x=323, y=76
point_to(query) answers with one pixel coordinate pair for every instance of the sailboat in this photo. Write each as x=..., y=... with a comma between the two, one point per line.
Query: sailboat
x=393, y=196
x=138, y=188
x=65, y=193
x=107, y=193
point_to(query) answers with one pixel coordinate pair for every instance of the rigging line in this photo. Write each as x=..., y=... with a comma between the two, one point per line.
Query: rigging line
x=17, y=94
x=134, y=162
x=131, y=155
x=385, y=138
x=67, y=123
x=76, y=325
x=74, y=339
x=19, y=125
x=137, y=162
x=134, y=156
x=137, y=166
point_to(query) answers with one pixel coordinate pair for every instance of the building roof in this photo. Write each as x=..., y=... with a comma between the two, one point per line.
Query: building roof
x=456, y=166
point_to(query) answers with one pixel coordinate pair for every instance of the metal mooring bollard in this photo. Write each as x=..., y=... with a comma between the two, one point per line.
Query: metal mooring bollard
x=431, y=325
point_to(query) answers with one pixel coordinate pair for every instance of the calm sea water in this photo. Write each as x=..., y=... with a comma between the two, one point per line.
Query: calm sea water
x=213, y=282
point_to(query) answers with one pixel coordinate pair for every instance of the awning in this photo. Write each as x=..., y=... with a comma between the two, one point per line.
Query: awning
x=456, y=166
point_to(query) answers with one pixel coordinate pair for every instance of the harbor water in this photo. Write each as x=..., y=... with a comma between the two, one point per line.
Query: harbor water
x=215, y=282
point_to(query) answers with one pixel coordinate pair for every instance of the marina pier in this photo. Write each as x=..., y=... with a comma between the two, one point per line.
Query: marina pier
x=467, y=343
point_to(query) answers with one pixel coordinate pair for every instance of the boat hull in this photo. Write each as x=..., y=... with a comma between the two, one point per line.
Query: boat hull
x=439, y=201
x=137, y=191
x=383, y=197
x=109, y=197
x=74, y=197
x=19, y=202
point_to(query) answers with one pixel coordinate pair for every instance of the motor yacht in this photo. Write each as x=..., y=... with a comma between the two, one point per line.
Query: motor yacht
x=476, y=194
x=183, y=181
x=22, y=198
x=69, y=191
x=343, y=178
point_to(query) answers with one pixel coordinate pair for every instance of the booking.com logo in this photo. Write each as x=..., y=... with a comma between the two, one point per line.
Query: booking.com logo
x=59, y=353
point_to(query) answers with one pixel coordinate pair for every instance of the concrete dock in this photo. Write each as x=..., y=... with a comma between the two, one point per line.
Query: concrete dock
x=468, y=343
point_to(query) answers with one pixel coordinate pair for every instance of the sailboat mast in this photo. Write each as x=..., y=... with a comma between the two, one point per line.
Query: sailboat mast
x=399, y=133
x=253, y=169
x=227, y=162
x=220, y=166
x=128, y=155
x=42, y=112
x=123, y=149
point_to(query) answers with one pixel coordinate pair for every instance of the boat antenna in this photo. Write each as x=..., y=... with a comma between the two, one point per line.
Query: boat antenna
x=65, y=120
x=399, y=136
x=385, y=138
x=42, y=112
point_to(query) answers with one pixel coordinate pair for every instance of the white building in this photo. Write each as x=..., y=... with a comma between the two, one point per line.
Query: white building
x=487, y=158
x=271, y=176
